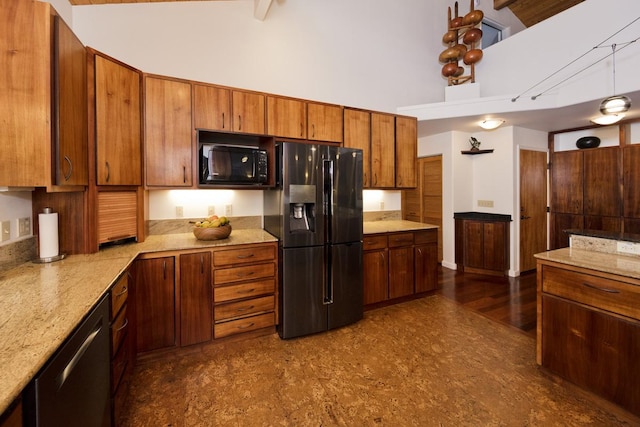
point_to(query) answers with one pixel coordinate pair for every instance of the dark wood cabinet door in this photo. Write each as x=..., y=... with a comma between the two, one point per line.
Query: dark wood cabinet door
x=473, y=244
x=566, y=182
x=494, y=236
x=631, y=178
x=383, y=158
x=604, y=350
x=401, y=272
x=605, y=223
x=602, y=190
x=406, y=152
x=426, y=267
x=196, y=298
x=155, y=304
x=375, y=273
x=357, y=134
x=561, y=222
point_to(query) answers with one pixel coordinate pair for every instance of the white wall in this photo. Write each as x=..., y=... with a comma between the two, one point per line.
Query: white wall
x=14, y=205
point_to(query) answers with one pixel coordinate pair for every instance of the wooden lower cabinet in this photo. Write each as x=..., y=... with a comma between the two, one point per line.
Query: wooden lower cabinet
x=482, y=242
x=196, y=305
x=589, y=331
x=122, y=351
x=397, y=265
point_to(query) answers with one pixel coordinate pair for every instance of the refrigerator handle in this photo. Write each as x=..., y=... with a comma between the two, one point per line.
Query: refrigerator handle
x=328, y=287
x=327, y=206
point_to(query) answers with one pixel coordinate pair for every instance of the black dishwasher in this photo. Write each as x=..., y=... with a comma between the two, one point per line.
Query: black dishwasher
x=73, y=387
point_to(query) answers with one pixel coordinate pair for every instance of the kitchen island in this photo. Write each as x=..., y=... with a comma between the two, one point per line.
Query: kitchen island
x=588, y=322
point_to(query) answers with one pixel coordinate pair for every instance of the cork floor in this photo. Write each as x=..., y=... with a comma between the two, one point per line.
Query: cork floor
x=427, y=362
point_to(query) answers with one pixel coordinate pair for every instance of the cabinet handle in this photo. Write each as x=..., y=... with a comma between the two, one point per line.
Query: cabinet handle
x=239, y=122
x=201, y=264
x=597, y=288
x=375, y=179
x=240, y=310
x=164, y=270
x=248, y=291
x=251, y=273
x=245, y=256
x=124, y=291
x=382, y=256
x=124, y=325
x=301, y=130
x=313, y=131
x=67, y=176
x=247, y=326
x=222, y=120
x=108, y=171
x=419, y=251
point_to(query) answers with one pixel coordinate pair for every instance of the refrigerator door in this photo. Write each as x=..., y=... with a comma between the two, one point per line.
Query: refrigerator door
x=345, y=287
x=343, y=190
x=302, y=292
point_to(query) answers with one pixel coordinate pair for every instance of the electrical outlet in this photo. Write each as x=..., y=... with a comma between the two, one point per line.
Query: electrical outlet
x=381, y=206
x=628, y=248
x=227, y=210
x=24, y=226
x=179, y=211
x=6, y=231
x=485, y=203
x=211, y=210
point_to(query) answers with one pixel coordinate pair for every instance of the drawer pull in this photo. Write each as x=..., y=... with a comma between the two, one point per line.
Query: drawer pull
x=611, y=291
x=240, y=310
x=126, y=322
x=245, y=256
x=247, y=291
x=251, y=273
x=246, y=326
x=124, y=291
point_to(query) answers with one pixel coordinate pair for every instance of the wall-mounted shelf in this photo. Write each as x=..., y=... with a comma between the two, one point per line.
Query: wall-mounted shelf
x=477, y=151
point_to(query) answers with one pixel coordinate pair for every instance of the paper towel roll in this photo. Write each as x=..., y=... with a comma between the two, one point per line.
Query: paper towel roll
x=48, y=236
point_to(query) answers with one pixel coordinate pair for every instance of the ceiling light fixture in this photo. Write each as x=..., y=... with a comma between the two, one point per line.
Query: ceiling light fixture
x=608, y=119
x=490, y=124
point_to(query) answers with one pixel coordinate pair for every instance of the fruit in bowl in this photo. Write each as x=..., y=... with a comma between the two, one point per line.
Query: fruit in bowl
x=212, y=228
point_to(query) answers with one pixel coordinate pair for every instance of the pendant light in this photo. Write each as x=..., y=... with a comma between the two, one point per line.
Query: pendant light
x=616, y=104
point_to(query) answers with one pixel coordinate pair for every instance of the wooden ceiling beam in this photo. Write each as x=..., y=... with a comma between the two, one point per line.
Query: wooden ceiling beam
x=500, y=4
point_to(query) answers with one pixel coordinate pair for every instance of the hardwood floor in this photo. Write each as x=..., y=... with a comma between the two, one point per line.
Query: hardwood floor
x=510, y=300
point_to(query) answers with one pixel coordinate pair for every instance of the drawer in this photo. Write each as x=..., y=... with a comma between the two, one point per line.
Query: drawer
x=422, y=237
x=245, y=255
x=400, y=239
x=245, y=324
x=119, y=294
x=118, y=365
x=249, y=272
x=244, y=308
x=374, y=242
x=243, y=290
x=606, y=294
x=118, y=330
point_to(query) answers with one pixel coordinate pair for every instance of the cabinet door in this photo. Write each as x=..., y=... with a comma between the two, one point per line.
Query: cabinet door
x=357, y=134
x=473, y=244
x=426, y=267
x=196, y=298
x=593, y=350
x=118, y=124
x=382, y=150
x=495, y=245
x=70, y=113
x=631, y=181
x=401, y=274
x=286, y=117
x=567, y=168
x=325, y=122
x=211, y=108
x=406, y=152
x=375, y=276
x=155, y=304
x=602, y=182
x=561, y=222
x=248, y=112
x=25, y=91
x=168, y=133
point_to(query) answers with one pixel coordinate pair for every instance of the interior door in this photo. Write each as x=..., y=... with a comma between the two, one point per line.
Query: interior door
x=533, y=206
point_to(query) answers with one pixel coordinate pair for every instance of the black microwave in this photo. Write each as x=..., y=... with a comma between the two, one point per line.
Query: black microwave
x=232, y=165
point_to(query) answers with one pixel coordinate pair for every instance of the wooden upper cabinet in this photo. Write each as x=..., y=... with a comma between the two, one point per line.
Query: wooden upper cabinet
x=602, y=194
x=406, y=152
x=248, y=112
x=357, y=134
x=325, y=122
x=631, y=180
x=118, y=123
x=70, y=107
x=212, y=108
x=382, y=150
x=167, y=122
x=286, y=117
x=567, y=170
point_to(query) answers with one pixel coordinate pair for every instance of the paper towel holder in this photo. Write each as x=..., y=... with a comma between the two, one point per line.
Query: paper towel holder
x=49, y=259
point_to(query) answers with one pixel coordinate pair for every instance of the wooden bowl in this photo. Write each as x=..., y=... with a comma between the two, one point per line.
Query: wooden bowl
x=217, y=233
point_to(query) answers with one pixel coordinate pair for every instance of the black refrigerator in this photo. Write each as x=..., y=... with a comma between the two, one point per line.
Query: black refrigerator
x=315, y=210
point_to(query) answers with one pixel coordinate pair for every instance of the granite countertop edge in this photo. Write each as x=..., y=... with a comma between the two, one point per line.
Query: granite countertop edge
x=394, y=226
x=621, y=265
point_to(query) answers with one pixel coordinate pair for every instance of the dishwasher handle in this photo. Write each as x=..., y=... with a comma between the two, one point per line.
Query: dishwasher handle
x=66, y=372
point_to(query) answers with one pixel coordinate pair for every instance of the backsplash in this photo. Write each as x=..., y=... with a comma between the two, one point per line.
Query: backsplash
x=185, y=225
x=17, y=253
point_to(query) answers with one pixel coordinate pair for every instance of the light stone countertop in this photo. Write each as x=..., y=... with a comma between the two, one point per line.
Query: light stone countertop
x=622, y=265
x=41, y=304
x=394, y=226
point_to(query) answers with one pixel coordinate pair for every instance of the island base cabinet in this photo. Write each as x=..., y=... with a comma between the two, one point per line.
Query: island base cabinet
x=592, y=349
